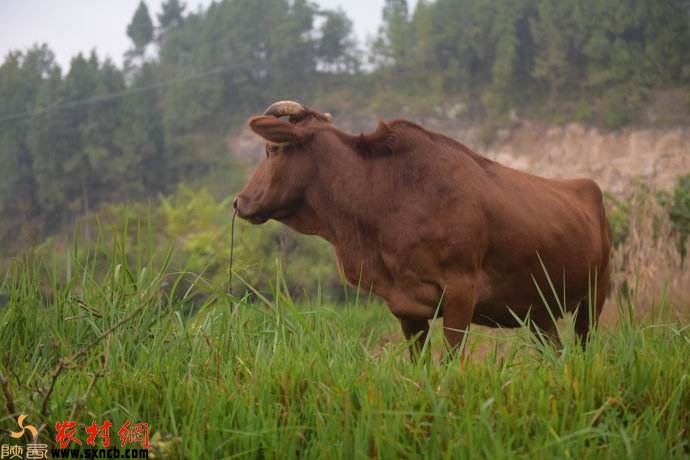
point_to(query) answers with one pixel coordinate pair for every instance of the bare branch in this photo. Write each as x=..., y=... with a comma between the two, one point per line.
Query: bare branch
x=9, y=400
x=68, y=363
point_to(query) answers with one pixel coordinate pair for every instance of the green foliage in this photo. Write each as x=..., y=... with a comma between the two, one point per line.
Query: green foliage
x=171, y=15
x=142, y=166
x=200, y=228
x=523, y=50
x=618, y=213
x=621, y=106
x=679, y=212
x=20, y=78
x=675, y=206
x=197, y=228
x=140, y=30
x=336, y=49
x=393, y=44
x=583, y=111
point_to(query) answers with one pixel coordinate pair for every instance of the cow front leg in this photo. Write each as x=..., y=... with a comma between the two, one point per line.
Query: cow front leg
x=458, y=310
x=415, y=330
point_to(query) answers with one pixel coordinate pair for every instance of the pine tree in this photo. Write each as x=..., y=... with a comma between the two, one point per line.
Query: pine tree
x=170, y=17
x=108, y=163
x=139, y=138
x=20, y=77
x=77, y=175
x=140, y=30
x=336, y=47
x=171, y=14
x=393, y=44
x=49, y=142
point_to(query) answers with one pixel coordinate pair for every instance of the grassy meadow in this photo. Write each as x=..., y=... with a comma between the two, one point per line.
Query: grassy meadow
x=111, y=333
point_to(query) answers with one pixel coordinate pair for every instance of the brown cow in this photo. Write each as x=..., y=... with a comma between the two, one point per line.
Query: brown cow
x=433, y=227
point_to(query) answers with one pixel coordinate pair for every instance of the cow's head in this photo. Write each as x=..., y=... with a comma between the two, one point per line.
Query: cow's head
x=277, y=188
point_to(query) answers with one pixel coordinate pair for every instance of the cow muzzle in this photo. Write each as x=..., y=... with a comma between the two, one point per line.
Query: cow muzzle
x=246, y=211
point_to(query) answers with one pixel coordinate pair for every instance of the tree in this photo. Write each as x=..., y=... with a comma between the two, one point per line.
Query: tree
x=73, y=165
x=553, y=64
x=49, y=143
x=140, y=138
x=140, y=29
x=392, y=45
x=336, y=47
x=170, y=17
x=680, y=212
x=292, y=49
x=20, y=78
x=107, y=162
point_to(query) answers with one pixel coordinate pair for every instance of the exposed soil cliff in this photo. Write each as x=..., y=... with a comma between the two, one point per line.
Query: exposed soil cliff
x=616, y=160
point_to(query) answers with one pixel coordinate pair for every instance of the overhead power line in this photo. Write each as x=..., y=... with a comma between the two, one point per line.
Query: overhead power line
x=118, y=94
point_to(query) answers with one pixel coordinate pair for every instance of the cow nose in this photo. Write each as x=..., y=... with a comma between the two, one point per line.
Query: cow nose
x=240, y=203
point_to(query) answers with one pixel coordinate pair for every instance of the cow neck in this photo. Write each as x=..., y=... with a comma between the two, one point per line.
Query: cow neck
x=341, y=199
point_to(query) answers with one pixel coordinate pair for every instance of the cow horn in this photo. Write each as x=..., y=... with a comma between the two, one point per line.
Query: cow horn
x=283, y=108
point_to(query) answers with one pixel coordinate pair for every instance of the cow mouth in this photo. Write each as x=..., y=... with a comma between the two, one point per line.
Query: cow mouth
x=258, y=218
x=251, y=217
x=255, y=219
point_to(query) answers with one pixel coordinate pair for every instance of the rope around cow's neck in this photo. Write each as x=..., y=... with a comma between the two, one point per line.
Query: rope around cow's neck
x=232, y=250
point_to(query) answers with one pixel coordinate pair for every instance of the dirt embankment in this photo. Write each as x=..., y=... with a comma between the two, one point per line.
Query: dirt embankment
x=616, y=160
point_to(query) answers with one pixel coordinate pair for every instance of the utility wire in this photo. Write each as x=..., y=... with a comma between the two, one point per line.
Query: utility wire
x=118, y=94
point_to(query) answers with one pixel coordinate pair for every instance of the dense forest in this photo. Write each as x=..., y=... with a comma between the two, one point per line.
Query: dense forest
x=71, y=139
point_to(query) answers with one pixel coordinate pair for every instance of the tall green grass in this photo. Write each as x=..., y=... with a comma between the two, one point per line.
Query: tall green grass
x=223, y=377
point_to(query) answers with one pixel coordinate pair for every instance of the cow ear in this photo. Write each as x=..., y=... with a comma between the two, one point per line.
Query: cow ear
x=276, y=130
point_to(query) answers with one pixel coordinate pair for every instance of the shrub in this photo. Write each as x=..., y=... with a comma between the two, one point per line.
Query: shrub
x=196, y=227
x=618, y=213
x=680, y=212
x=620, y=106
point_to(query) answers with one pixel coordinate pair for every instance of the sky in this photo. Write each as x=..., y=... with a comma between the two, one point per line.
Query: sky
x=71, y=26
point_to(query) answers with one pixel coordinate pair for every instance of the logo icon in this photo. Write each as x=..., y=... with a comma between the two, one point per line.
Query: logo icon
x=20, y=422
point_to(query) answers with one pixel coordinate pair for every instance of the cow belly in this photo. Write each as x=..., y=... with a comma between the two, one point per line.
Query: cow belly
x=515, y=298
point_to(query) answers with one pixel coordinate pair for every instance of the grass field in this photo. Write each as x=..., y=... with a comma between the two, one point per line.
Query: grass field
x=218, y=377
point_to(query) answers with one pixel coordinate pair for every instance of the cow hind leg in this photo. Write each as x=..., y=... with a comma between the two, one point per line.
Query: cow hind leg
x=587, y=315
x=585, y=322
